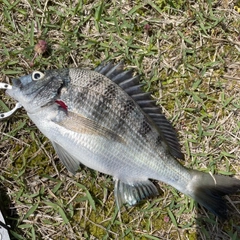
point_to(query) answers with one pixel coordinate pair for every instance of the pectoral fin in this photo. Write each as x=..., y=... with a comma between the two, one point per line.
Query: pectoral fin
x=78, y=123
x=70, y=162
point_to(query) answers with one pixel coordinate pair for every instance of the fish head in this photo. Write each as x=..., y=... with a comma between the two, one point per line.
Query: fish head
x=38, y=89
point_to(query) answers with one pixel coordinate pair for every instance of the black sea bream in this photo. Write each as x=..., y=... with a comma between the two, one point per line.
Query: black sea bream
x=104, y=120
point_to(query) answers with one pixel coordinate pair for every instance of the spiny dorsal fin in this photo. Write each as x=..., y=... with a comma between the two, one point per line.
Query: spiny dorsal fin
x=130, y=84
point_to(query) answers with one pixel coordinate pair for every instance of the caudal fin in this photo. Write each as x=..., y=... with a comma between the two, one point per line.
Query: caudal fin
x=208, y=190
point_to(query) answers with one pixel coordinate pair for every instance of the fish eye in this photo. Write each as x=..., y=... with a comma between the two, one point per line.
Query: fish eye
x=37, y=75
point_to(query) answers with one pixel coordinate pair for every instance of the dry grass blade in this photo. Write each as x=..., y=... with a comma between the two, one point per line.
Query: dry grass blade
x=189, y=55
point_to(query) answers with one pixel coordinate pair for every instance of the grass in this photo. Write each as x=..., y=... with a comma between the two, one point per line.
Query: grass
x=188, y=54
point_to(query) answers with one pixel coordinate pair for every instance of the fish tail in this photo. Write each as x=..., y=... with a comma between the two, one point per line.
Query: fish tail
x=208, y=190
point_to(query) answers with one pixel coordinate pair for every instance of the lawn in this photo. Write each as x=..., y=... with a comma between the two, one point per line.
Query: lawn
x=188, y=56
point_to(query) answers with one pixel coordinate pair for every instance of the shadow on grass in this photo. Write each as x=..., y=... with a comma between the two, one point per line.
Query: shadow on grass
x=211, y=227
x=8, y=211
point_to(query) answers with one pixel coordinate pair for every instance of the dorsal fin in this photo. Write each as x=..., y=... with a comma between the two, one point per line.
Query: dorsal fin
x=130, y=84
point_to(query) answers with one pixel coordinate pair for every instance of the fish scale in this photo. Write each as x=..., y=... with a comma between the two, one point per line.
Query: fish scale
x=104, y=120
x=118, y=114
x=98, y=103
x=115, y=117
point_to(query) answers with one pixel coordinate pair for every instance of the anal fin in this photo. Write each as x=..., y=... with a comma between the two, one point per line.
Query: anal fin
x=70, y=162
x=133, y=193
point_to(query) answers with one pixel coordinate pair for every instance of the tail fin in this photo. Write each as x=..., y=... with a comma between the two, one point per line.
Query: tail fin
x=209, y=191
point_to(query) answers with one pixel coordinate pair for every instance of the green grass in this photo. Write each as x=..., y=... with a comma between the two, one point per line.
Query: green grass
x=189, y=57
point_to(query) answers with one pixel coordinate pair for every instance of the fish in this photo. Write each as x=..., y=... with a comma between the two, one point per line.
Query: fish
x=103, y=119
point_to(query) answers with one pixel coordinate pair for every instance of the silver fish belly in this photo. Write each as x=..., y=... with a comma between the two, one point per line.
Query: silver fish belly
x=103, y=120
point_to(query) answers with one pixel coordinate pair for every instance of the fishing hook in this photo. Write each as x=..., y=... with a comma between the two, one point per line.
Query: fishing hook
x=18, y=105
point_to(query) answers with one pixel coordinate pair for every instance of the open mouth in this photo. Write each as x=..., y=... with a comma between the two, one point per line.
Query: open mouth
x=18, y=105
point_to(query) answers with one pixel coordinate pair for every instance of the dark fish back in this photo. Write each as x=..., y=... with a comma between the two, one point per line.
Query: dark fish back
x=130, y=84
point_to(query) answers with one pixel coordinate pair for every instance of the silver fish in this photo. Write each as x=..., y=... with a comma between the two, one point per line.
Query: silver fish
x=104, y=120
